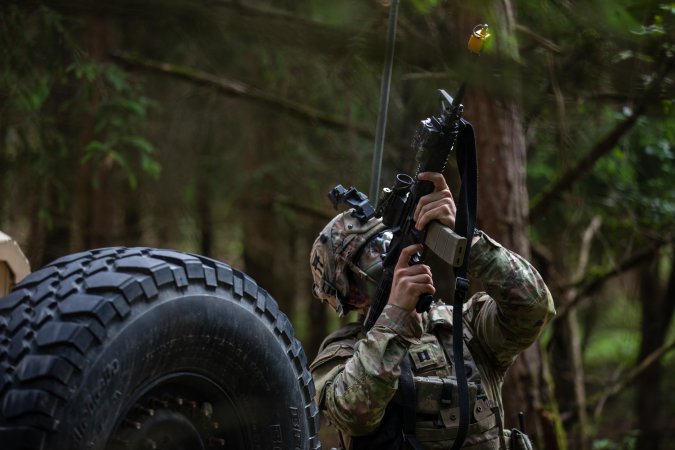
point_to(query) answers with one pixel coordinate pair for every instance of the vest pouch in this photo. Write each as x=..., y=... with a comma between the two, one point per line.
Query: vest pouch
x=438, y=415
x=436, y=394
x=517, y=440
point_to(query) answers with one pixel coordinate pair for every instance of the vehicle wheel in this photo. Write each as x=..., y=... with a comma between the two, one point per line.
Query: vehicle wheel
x=139, y=348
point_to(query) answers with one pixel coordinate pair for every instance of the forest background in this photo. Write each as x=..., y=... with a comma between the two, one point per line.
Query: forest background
x=217, y=127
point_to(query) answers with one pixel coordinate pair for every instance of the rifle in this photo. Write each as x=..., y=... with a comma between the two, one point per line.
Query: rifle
x=435, y=139
x=433, y=142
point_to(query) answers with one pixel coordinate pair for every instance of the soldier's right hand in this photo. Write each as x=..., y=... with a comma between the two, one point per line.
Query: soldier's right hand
x=409, y=282
x=438, y=205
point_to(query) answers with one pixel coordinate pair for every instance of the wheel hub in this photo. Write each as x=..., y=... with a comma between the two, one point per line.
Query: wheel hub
x=161, y=419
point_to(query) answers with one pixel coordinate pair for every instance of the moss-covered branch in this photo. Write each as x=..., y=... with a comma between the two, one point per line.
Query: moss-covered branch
x=239, y=89
x=595, y=280
x=598, y=400
x=561, y=184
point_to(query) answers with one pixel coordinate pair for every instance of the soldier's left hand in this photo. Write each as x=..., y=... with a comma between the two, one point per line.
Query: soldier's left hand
x=410, y=281
x=438, y=205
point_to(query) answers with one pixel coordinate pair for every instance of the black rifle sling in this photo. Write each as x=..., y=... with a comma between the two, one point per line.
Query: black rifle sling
x=465, y=223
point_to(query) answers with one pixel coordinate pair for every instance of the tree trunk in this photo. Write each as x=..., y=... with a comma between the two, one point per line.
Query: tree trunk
x=132, y=230
x=94, y=189
x=5, y=163
x=268, y=235
x=503, y=203
x=207, y=174
x=657, y=312
x=52, y=235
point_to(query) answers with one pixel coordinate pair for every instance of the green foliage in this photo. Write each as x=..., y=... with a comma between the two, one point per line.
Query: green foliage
x=52, y=87
x=615, y=339
x=424, y=6
x=118, y=119
x=625, y=443
x=255, y=175
x=619, y=56
x=636, y=177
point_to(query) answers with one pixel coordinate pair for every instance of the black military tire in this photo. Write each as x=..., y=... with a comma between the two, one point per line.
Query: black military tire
x=142, y=348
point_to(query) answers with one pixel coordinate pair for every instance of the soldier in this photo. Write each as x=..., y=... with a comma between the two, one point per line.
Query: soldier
x=357, y=374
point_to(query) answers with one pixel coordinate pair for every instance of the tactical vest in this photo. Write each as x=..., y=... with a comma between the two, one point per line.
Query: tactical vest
x=437, y=396
x=437, y=405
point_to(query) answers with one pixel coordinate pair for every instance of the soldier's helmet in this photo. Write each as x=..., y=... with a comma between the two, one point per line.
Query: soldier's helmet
x=344, y=271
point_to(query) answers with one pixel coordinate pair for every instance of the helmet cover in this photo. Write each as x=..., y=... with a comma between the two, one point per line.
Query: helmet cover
x=332, y=257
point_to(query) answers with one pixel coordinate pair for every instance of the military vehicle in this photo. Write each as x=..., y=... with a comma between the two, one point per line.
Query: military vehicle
x=144, y=348
x=13, y=264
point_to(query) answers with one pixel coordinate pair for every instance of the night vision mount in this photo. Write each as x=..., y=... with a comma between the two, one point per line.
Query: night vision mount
x=363, y=210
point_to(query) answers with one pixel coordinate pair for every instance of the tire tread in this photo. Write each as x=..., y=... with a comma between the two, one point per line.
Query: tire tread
x=57, y=315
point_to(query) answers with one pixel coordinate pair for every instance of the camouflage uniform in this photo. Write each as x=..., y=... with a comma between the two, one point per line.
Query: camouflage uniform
x=356, y=374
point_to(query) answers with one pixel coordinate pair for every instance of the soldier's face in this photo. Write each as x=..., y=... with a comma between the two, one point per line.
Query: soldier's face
x=370, y=261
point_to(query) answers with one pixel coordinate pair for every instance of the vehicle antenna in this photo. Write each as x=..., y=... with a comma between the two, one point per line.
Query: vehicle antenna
x=385, y=88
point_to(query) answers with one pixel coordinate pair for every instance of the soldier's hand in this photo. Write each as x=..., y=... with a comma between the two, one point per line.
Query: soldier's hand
x=409, y=282
x=438, y=205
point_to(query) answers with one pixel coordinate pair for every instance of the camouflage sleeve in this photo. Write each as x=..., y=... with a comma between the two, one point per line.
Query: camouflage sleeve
x=355, y=396
x=517, y=304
